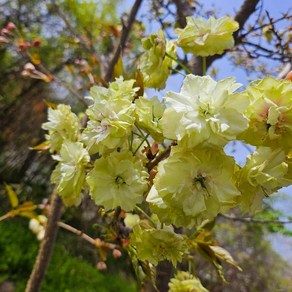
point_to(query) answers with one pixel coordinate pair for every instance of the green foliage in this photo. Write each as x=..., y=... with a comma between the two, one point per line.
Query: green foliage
x=18, y=249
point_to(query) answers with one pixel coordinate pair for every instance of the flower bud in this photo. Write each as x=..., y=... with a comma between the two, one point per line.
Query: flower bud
x=10, y=26
x=101, y=266
x=117, y=253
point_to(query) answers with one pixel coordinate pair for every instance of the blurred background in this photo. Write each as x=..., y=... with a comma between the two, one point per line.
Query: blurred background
x=68, y=45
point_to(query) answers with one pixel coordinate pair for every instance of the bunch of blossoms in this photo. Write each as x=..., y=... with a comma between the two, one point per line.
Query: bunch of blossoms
x=270, y=129
x=207, y=37
x=157, y=61
x=184, y=282
x=117, y=178
x=189, y=180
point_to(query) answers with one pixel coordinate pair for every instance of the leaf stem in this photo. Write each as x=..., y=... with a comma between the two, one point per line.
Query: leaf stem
x=142, y=134
x=145, y=214
x=204, y=64
x=144, y=139
x=177, y=71
x=188, y=71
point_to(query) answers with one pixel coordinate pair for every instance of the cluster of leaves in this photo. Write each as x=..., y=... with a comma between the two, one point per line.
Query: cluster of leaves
x=167, y=156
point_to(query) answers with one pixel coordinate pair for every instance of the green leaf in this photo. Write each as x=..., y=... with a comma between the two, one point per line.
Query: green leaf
x=12, y=195
x=41, y=147
x=224, y=255
x=118, y=69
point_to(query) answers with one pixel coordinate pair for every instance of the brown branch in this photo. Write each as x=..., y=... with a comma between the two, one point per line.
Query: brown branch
x=46, y=248
x=259, y=47
x=246, y=10
x=125, y=33
x=251, y=220
x=183, y=9
x=253, y=29
x=158, y=158
x=77, y=232
x=96, y=242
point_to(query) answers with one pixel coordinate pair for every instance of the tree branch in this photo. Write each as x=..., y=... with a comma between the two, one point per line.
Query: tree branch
x=47, y=245
x=96, y=242
x=125, y=33
x=246, y=10
x=251, y=220
x=158, y=158
x=183, y=9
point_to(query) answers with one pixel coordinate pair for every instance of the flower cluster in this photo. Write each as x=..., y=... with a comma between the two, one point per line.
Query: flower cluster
x=205, y=111
x=111, y=117
x=167, y=155
x=37, y=226
x=196, y=184
x=201, y=37
x=155, y=65
x=185, y=282
x=207, y=37
x=158, y=244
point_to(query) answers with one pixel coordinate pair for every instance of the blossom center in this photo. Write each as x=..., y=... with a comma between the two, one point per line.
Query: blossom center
x=119, y=180
x=200, y=182
x=204, y=110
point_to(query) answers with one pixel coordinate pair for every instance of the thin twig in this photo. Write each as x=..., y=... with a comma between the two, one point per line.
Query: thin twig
x=77, y=232
x=252, y=220
x=125, y=33
x=96, y=242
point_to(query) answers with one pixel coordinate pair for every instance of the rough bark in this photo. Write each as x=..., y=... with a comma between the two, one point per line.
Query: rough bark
x=123, y=40
x=46, y=248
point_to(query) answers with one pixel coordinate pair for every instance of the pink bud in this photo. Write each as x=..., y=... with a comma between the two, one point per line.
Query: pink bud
x=117, y=253
x=3, y=40
x=101, y=266
x=25, y=73
x=36, y=43
x=29, y=67
x=10, y=26
x=4, y=31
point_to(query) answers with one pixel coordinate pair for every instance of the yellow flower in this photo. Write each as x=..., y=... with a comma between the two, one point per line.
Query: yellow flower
x=196, y=184
x=62, y=124
x=69, y=174
x=154, y=63
x=205, y=111
x=266, y=171
x=185, y=282
x=270, y=113
x=148, y=115
x=207, y=37
x=111, y=117
x=118, y=180
x=155, y=245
